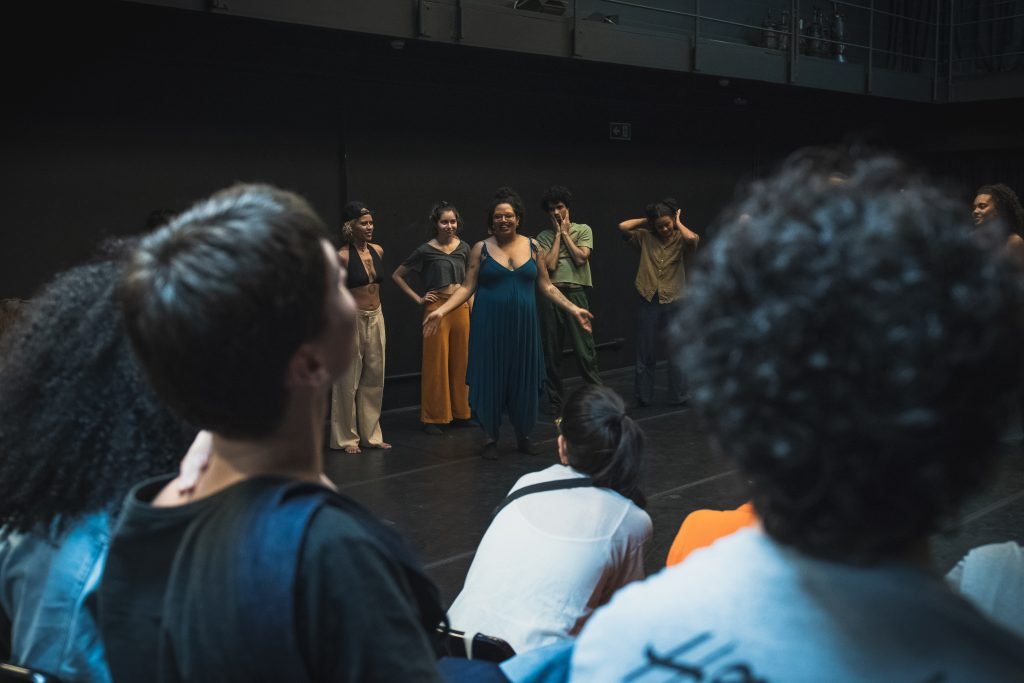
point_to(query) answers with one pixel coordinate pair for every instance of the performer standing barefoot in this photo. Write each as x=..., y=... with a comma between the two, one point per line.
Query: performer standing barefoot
x=662, y=239
x=357, y=397
x=506, y=364
x=441, y=264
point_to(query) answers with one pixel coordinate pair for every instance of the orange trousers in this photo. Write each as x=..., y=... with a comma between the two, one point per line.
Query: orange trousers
x=444, y=395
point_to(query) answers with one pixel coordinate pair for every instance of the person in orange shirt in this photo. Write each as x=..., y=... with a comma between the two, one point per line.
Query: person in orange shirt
x=701, y=528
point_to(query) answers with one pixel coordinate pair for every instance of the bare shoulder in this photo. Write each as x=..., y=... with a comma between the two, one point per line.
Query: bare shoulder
x=377, y=248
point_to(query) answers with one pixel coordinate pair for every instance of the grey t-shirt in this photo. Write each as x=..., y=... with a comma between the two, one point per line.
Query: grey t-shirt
x=749, y=609
x=438, y=269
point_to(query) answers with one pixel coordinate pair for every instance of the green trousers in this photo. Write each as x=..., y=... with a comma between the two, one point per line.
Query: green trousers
x=558, y=328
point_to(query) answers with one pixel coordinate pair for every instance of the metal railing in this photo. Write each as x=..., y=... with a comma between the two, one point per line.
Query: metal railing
x=794, y=36
x=955, y=26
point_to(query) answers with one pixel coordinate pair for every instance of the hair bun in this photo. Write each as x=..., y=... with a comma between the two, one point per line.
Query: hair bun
x=505, y=192
x=671, y=203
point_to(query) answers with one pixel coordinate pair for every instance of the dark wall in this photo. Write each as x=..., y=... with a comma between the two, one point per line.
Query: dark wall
x=151, y=109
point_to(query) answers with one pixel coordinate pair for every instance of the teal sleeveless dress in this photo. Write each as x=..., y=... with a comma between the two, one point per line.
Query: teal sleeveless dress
x=506, y=361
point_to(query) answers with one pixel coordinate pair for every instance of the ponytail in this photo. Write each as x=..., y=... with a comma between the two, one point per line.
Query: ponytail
x=622, y=471
x=603, y=442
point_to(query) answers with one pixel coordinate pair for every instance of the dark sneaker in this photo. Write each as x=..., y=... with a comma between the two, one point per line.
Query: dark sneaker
x=524, y=445
x=432, y=429
x=489, y=451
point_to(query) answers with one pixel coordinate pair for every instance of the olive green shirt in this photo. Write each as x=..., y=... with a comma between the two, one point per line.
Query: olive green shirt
x=567, y=272
x=661, y=269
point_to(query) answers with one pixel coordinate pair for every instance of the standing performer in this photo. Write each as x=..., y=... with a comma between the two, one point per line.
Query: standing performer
x=566, y=248
x=506, y=363
x=662, y=239
x=357, y=397
x=441, y=264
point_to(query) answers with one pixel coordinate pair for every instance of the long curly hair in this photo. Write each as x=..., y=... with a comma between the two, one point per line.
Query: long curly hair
x=78, y=423
x=1008, y=206
x=854, y=349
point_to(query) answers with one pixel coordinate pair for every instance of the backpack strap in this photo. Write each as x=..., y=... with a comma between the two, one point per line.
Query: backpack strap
x=556, y=485
x=281, y=523
x=268, y=564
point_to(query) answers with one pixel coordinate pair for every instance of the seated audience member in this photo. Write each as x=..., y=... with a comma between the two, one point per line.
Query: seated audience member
x=992, y=577
x=551, y=556
x=701, y=528
x=850, y=347
x=237, y=313
x=78, y=427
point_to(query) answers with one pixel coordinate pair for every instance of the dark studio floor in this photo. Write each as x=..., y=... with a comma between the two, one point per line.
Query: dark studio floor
x=439, y=493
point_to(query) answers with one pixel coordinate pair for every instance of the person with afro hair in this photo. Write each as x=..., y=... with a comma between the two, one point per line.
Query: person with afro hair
x=852, y=348
x=79, y=426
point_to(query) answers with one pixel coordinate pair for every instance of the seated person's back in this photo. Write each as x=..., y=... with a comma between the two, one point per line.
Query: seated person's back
x=850, y=346
x=183, y=568
x=80, y=427
x=237, y=313
x=549, y=558
x=701, y=528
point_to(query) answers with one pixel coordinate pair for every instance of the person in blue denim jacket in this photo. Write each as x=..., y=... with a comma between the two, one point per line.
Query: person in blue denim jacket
x=78, y=427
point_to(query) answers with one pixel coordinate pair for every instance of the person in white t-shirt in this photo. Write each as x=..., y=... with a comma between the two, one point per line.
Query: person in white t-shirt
x=851, y=348
x=550, y=557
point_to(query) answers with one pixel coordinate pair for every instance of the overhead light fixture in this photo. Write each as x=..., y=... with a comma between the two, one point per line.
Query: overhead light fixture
x=544, y=6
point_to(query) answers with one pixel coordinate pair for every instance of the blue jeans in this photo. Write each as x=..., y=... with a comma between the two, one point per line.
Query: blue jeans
x=651, y=320
x=47, y=591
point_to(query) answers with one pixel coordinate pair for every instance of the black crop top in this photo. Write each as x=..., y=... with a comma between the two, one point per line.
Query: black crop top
x=356, y=274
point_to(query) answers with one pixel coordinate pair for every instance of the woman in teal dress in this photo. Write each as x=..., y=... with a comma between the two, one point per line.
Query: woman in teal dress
x=506, y=362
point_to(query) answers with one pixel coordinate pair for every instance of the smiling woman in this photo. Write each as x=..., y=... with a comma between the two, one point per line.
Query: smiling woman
x=357, y=397
x=998, y=206
x=506, y=362
x=441, y=265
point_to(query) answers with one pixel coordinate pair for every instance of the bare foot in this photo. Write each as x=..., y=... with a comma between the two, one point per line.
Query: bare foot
x=383, y=445
x=352, y=449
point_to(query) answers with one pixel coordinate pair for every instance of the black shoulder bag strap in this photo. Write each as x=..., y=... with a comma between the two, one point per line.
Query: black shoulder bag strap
x=576, y=483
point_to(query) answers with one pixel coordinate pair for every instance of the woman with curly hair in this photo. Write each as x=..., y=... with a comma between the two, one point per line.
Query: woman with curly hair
x=506, y=361
x=78, y=428
x=998, y=205
x=441, y=265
